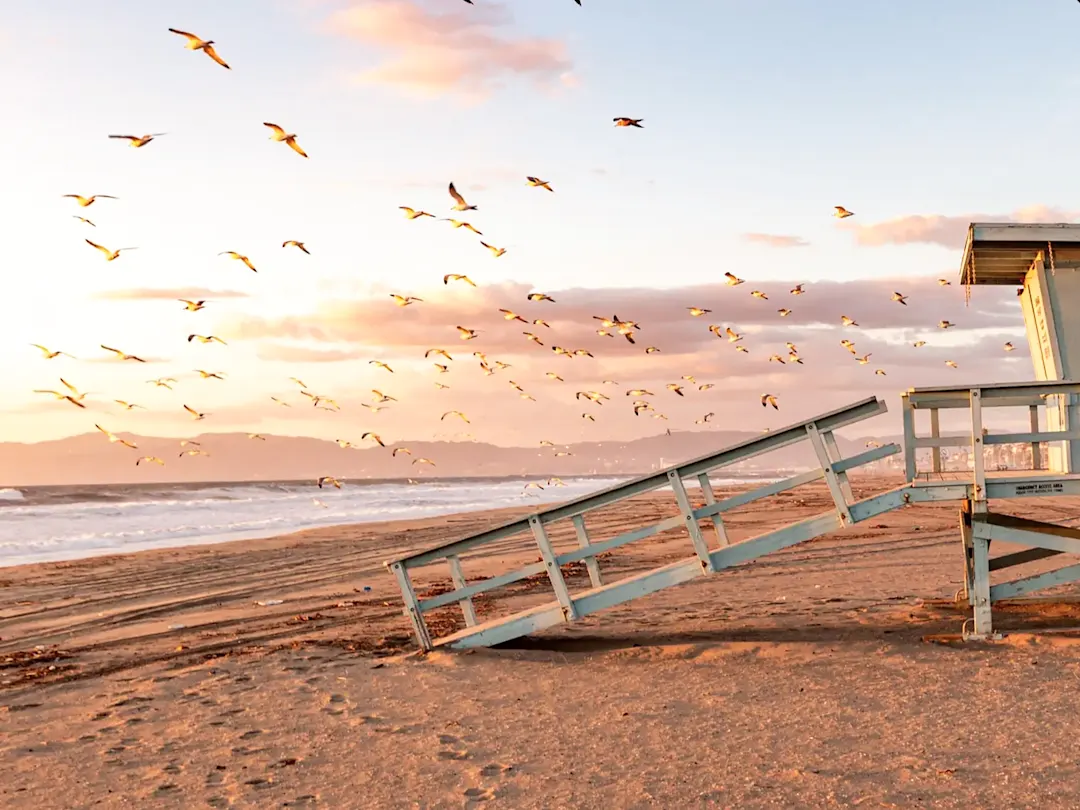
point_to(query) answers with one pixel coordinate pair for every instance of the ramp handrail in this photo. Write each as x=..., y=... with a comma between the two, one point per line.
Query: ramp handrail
x=818, y=431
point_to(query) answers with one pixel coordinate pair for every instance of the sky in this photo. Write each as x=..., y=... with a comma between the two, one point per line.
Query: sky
x=758, y=119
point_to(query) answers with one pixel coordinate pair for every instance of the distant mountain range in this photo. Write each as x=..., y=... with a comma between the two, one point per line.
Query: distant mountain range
x=91, y=459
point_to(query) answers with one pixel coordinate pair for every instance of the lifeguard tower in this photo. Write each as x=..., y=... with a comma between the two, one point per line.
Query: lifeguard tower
x=1041, y=259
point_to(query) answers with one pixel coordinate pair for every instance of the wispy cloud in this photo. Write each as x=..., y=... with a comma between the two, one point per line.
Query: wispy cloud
x=947, y=231
x=286, y=353
x=171, y=293
x=775, y=240
x=466, y=51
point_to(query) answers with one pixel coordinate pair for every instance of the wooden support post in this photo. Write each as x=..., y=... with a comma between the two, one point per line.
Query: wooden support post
x=907, y=414
x=981, y=586
x=457, y=576
x=592, y=565
x=1036, y=447
x=412, y=605
x=838, y=494
x=935, y=431
x=558, y=584
x=692, y=527
x=710, y=499
x=978, y=458
x=967, y=549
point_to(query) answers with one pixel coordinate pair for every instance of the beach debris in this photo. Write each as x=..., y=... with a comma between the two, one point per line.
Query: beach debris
x=270, y=602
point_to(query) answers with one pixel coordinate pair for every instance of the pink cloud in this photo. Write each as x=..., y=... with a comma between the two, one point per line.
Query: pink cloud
x=774, y=240
x=464, y=51
x=947, y=231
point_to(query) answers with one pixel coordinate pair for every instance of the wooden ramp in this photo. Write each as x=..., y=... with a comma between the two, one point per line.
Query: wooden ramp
x=566, y=606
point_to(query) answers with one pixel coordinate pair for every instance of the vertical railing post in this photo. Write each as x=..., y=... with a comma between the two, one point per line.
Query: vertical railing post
x=692, y=527
x=558, y=583
x=834, y=455
x=978, y=459
x=980, y=562
x=412, y=605
x=935, y=432
x=838, y=495
x=1036, y=447
x=907, y=413
x=592, y=565
x=710, y=499
x=457, y=576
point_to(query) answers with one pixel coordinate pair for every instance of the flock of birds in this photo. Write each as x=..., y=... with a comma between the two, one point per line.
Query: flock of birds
x=641, y=401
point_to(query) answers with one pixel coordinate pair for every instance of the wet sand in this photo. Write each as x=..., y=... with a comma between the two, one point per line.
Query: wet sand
x=815, y=677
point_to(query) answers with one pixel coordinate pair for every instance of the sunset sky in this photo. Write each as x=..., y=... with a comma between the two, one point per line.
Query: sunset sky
x=758, y=118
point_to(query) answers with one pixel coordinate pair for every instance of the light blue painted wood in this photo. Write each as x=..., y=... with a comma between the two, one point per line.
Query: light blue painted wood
x=1019, y=587
x=412, y=606
x=710, y=498
x=1030, y=438
x=1021, y=537
x=832, y=481
x=907, y=414
x=601, y=546
x=874, y=454
x=457, y=576
x=984, y=625
x=690, y=520
x=554, y=571
x=482, y=586
x=591, y=564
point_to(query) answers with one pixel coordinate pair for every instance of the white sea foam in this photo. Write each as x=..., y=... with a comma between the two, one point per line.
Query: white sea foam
x=42, y=524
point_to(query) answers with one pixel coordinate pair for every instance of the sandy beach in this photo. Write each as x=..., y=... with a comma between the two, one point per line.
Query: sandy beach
x=822, y=676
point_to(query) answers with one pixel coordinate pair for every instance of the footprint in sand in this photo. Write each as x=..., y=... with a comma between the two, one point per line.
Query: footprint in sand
x=22, y=707
x=302, y=801
x=171, y=768
x=244, y=751
x=456, y=755
x=218, y=801
x=479, y=794
x=368, y=720
x=130, y=701
x=259, y=783
x=495, y=769
x=247, y=735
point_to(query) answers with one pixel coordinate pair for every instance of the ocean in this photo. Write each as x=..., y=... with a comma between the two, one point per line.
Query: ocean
x=40, y=524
